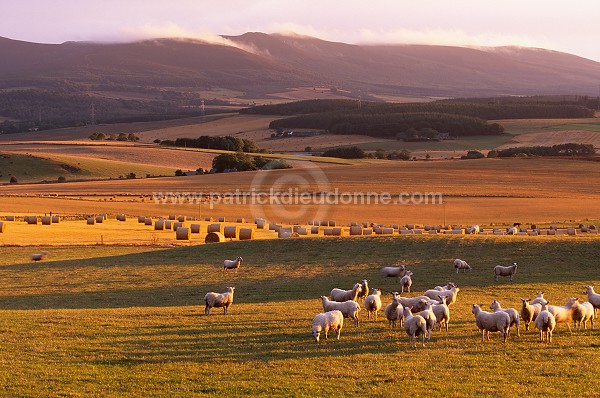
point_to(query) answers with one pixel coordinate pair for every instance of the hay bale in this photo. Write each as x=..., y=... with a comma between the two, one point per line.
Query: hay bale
x=367, y=231
x=284, y=232
x=356, y=230
x=172, y=217
x=418, y=231
x=410, y=226
x=388, y=231
x=406, y=232
x=181, y=218
x=260, y=223
x=396, y=226
x=121, y=217
x=10, y=218
x=274, y=227
x=182, y=233
x=532, y=233
x=328, y=231
x=190, y=218
x=214, y=237
x=55, y=219
x=209, y=219
x=571, y=231
x=159, y=225
x=240, y=220
x=331, y=223
x=583, y=229
x=100, y=219
x=214, y=228
x=295, y=228
x=177, y=225
x=427, y=227
x=31, y=219
x=353, y=224
x=324, y=223
x=169, y=224
x=231, y=231
x=338, y=231
x=302, y=231
x=523, y=229
x=551, y=231
x=314, y=230
x=148, y=221
x=378, y=230
x=141, y=219
x=365, y=224
x=195, y=228
x=91, y=221
x=221, y=219
x=533, y=226
x=2, y=227
x=433, y=231
x=46, y=220
x=246, y=233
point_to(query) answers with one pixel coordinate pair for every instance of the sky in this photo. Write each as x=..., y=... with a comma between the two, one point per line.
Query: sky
x=567, y=26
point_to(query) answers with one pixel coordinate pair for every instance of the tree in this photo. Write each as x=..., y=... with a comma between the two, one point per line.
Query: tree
x=13, y=180
x=492, y=154
x=122, y=137
x=131, y=175
x=307, y=149
x=61, y=179
x=473, y=155
x=132, y=137
x=178, y=172
x=157, y=141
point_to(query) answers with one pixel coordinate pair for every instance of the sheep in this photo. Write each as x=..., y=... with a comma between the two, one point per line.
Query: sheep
x=430, y=319
x=450, y=295
x=394, y=312
x=527, y=312
x=588, y=315
x=324, y=322
x=414, y=325
x=448, y=286
x=364, y=289
x=473, y=229
x=348, y=308
x=393, y=271
x=373, y=303
x=345, y=295
x=232, y=264
x=545, y=323
x=564, y=313
x=491, y=322
x=582, y=312
x=406, y=281
x=441, y=312
x=219, y=300
x=515, y=320
x=414, y=303
x=39, y=256
x=511, y=231
x=505, y=271
x=539, y=298
x=593, y=297
x=461, y=264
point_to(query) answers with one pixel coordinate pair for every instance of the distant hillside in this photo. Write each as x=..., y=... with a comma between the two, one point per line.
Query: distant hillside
x=262, y=64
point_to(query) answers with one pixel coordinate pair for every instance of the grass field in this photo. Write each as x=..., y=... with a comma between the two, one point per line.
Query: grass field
x=128, y=321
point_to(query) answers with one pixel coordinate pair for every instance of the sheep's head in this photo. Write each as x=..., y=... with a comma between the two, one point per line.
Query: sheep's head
x=495, y=304
x=230, y=289
x=316, y=335
x=394, y=294
x=240, y=259
x=475, y=308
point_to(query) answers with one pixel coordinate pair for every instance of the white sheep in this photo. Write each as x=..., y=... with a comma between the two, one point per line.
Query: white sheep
x=430, y=319
x=394, y=312
x=232, y=264
x=515, y=319
x=348, y=308
x=473, y=229
x=564, y=313
x=373, y=303
x=364, y=289
x=593, y=297
x=414, y=325
x=345, y=295
x=448, y=286
x=416, y=304
x=545, y=323
x=324, y=322
x=588, y=315
x=461, y=265
x=499, y=270
x=393, y=271
x=582, y=313
x=511, y=231
x=539, y=298
x=406, y=281
x=491, y=322
x=219, y=300
x=39, y=256
x=450, y=295
x=441, y=312
x=527, y=312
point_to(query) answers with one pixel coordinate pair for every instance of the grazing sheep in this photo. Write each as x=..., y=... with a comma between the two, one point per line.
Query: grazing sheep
x=430, y=319
x=39, y=256
x=582, y=313
x=232, y=264
x=406, y=281
x=414, y=325
x=393, y=271
x=364, y=289
x=345, y=295
x=593, y=297
x=441, y=312
x=324, y=322
x=499, y=270
x=515, y=320
x=394, y=312
x=448, y=286
x=512, y=231
x=450, y=295
x=219, y=300
x=491, y=322
x=473, y=229
x=461, y=264
x=545, y=323
x=348, y=308
x=527, y=312
x=564, y=313
x=373, y=303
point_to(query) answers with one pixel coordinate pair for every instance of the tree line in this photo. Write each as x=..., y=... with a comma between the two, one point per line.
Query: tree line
x=226, y=143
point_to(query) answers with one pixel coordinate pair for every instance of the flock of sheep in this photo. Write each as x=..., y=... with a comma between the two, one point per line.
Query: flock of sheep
x=421, y=314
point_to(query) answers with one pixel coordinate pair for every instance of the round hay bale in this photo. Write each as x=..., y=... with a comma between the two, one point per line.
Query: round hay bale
x=331, y=223
x=182, y=233
x=214, y=228
x=295, y=228
x=148, y=221
x=246, y=233
x=260, y=224
x=571, y=231
x=46, y=220
x=427, y=228
x=302, y=231
x=190, y=218
x=181, y=218
x=396, y=226
x=311, y=222
x=353, y=224
x=121, y=217
x=159, y=225
x=328, y=231
x=240, y=220
x=100, y=219
x=209, y=219
x=221, y=219
x=365, y=224
x=314, y=230
x=387, y=231
x=367, y=231
x=2, y=227
x=324, y=223
x=10, y=218
x=523, y=229
x=274, y=227
x=592, y=227
x=55, y=219
x=231, y=231
x=378, y=230
x=141, y=219
x=195, y=228
x=169, y=224
x=214, y=237
x=410, y=226
x=284, y=232
x=32, y=220
x=533, y=226
x=177, y=225
x=551, y=231
x=91, y=221
x=356, y=230
x=172, y=217
x=584, y=229
x=338, y=231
